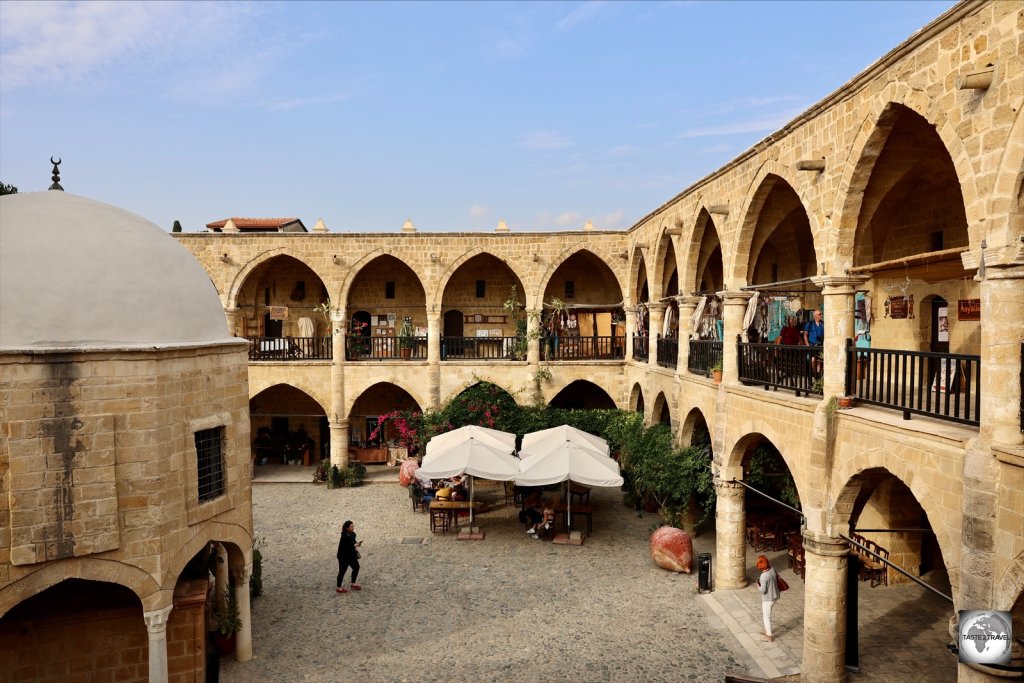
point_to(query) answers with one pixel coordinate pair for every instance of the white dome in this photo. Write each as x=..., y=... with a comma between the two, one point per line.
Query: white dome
x=78, y=273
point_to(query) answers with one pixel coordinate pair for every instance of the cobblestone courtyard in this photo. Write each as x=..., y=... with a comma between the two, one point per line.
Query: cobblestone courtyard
x=511, y=608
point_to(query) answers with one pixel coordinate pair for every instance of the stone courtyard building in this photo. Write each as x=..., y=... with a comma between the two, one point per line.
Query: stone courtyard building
x=124, y=448
x=894, y=206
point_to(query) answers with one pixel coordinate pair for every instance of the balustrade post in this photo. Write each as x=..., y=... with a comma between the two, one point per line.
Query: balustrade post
x=735, y=305
x=657, y=313
x=839, y=294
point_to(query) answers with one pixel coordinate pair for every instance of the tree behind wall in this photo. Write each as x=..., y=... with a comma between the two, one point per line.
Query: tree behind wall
x=177, y=227
x=7, y=189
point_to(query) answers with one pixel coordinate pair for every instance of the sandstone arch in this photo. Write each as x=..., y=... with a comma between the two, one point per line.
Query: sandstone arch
x=242, y=276
x=235, y=538
x=89, y=568
x=568, y=253
x=358, y=391
x=263, y=382
x=442, y=283
x=580, y=394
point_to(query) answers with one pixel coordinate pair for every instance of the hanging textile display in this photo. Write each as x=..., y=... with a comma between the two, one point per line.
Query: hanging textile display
x=748, y=316
x=666, y=323
x=777, y=311
x=697, y=318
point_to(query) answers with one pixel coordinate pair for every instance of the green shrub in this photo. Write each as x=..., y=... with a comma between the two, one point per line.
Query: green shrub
x=256, y=580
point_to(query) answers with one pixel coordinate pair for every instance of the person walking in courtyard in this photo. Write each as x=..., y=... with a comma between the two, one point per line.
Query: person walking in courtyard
x=348, y=556
x=768, y=584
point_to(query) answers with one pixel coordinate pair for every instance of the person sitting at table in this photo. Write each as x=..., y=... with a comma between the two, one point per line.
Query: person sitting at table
x=549, y=516
x=531, y=514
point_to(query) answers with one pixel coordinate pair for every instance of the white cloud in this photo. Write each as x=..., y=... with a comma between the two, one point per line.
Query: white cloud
x=611, y=221
x=568, y=218
x=312, y=100
x=581, y=14
x=755, y=125
x=174, y=46
x=478, y=211
x=545, y=140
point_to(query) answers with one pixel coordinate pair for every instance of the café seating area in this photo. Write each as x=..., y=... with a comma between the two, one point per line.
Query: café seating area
x=871, y=567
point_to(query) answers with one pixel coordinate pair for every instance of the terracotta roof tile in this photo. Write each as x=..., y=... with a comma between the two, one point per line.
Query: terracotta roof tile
x=250, y=223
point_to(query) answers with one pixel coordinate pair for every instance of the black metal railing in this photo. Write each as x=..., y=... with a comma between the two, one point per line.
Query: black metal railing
x=704, y=355
x=289, y=348
x=474, y=348
x=360, y=348
x=946, y=386
x=788, y=367
x=641, y=349
x=668, y=352
x=583, y=348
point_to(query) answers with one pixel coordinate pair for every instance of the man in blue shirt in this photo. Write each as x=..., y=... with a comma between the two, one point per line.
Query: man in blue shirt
x=814, y=335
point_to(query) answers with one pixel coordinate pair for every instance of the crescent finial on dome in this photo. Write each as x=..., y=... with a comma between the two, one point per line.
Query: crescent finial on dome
x=56, y=175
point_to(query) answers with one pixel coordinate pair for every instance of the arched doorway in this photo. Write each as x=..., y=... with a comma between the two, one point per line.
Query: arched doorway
x=582, y=395
x=279, y=299
x=591, y=298
x=476, y=322
x=385, y=294
x=288, y=426
x=636, y=399
x=368, y=439
x=662, y=413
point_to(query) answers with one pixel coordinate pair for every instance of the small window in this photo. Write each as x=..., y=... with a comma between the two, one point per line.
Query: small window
x=389, y=290
x=937, y=241
x=210, y=462
x=570, y=289
x=481, y=289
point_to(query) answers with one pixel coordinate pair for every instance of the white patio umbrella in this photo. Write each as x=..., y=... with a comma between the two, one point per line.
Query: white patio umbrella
x=496, y=438
x=535, y=442
x=567, y=461
x=470, y=456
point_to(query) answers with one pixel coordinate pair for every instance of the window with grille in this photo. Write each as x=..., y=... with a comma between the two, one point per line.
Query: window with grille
x=210, y=461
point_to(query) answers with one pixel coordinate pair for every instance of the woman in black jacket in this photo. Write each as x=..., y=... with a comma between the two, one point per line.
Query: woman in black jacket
x=348, y=556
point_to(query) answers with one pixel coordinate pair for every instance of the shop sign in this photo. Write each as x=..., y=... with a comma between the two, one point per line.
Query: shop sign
x=968, y=309
x=899, y=307
x=278, y=312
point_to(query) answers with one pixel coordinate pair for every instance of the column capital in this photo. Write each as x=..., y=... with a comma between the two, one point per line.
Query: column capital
x=689, y=300
x=656, y=306
x=242, y=576
x=725, y=487
x=156, y=621
x=840, y=284
x=338, y=315
x=630, y=310
x=825, y=545
x=339, y=423
x=734, y=297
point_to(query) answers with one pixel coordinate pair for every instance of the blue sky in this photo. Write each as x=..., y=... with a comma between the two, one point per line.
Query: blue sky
x=456, y=115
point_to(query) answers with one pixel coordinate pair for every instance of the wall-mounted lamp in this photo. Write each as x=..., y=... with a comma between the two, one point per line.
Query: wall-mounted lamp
x=434, y=258
x=536, y=257
x=225, y=258
x=337, y=260
x=623, y=254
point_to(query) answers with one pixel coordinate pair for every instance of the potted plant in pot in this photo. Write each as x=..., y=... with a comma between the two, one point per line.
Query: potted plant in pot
x=716, y=372
x=406, y=339
x=225, y=623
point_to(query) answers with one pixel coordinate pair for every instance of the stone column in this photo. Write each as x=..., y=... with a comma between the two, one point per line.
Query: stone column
x=533, y=339
x=156, y=625
x=234, y=317
x=220, y=575
x=630, y=330
x=1002, y=311
x=657, y=311
x=824, y=609
x=337, y=418
x=243, y=639
x=735, y=304
x=687, y=307
x=839, y=294
x=434, y=357
x=730, y=536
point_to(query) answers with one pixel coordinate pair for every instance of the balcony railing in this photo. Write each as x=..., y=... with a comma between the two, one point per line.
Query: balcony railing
x=475, y=348
x=583, y=348
x=641, y=350
x=289, y=348
x=785, y=367
x=370, y=348
x=940, y=385
x=668, y=352
x=704, y=354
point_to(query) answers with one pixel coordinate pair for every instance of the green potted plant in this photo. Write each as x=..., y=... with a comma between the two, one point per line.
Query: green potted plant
x=406, y=338
x=716, y=371
x=225, y=623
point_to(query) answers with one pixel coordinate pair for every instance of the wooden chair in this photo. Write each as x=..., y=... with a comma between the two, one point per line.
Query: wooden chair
x=876, y=571
x=440, y=520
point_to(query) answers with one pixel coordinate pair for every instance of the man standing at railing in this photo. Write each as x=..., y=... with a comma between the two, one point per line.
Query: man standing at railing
x=790, y=334
x=814, y=335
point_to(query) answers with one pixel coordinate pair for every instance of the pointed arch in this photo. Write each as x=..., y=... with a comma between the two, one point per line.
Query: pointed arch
x=1006, y=207
x=638, y=261
x=752, y=433
x=582, y=394
x=313, y=389
x=356, y=390
x=88, y=568
x=442, y=283
x=235, y=536
x=245, y=271
x=569, y=252
x=358, y=267
x=864, y=152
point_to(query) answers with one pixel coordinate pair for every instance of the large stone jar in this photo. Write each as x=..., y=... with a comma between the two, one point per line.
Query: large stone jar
x=672, y=549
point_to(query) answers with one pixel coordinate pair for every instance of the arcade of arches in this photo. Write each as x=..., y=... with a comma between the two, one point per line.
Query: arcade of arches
x=895, y=210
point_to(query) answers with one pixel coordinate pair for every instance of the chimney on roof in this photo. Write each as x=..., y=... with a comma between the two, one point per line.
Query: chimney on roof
x=56, y=175
x=320, y=226
x=502, y=227
x=229, y=226
x=408, y=227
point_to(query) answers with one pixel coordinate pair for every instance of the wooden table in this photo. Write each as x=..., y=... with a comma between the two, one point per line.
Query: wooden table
x=443, y=512
x=581, y=509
